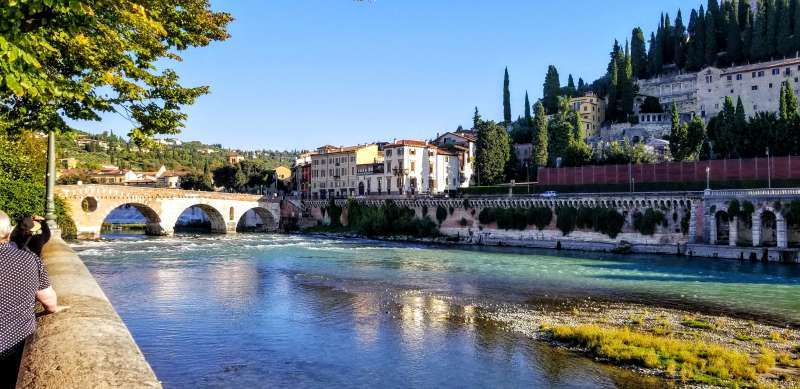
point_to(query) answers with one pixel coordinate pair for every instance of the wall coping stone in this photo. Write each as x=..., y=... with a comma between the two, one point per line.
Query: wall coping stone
x=86, y=346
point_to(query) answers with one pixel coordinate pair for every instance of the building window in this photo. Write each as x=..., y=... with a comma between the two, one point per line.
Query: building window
x=709, y=79
x=716, y=106
x=755, y=108
x=754, y=74
x=731, y=91
x=754, y=87
x=770, y=85
x=788, y=71
x=730, y=78
x=761, y=73
x=413, y=166
x=776, y=72
x=738, y=77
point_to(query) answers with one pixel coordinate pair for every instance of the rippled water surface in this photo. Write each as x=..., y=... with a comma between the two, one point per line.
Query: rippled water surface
x=293, y=311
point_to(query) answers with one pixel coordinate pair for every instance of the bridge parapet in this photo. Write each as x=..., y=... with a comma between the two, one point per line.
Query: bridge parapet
x=91, y=204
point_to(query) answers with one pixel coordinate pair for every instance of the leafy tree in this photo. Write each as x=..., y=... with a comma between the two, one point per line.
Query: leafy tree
x=492, y=152
x=76, y=59
x=512, y=168
x=541, y=136
x=551, y=90
x=506, y=100
x=788, y=102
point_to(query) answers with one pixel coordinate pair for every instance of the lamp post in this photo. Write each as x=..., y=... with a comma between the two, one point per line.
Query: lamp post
x=50, y=204
x=708, y=178
x=769, y=171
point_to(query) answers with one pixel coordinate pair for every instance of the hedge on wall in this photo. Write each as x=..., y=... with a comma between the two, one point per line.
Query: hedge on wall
x=646, y=223
x=566, y=219
x=388, y=219
x=441, y=214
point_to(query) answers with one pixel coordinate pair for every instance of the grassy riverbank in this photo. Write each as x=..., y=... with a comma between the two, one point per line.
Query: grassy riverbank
x=678, y=345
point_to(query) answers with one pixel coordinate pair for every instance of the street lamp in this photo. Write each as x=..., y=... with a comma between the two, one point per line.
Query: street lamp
x=50, y=205
x=708, y=178
x=769, y=171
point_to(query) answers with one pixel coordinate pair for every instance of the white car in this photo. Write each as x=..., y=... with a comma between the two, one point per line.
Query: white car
x=549, y=194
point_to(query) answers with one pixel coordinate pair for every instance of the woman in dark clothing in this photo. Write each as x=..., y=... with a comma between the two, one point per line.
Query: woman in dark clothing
x=27, y=237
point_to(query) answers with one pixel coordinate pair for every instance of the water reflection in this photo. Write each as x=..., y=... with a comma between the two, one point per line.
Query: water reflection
x=277, y=311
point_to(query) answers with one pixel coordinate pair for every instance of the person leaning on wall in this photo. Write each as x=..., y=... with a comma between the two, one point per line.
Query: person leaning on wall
x=23, y=281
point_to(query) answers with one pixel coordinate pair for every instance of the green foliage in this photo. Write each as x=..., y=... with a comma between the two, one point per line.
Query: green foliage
x=506, y=99
x=245, y=176
x=492, y=152
x=688, y=359
x=441, y=214
x=551, y=90
x=604, y=220
x=22, y=178
x=685, y=139
x=541, y=136
x=388, y=220
x=566, y=219
x=334, y=214
x=539, y=217
x=646, y=223
x=621, y=153
x=76, y=59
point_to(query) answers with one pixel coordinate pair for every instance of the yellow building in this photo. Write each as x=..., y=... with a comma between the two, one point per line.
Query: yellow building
x=592, y=110
x=283, y=173
x=333, y=169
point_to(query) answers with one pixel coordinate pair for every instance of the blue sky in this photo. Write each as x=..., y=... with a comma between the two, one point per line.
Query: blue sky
x=301, y=73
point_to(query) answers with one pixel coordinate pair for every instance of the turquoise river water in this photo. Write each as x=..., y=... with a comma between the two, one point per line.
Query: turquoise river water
x=250, y=311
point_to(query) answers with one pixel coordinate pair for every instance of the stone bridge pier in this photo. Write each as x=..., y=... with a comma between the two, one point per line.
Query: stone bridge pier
x=91, y=204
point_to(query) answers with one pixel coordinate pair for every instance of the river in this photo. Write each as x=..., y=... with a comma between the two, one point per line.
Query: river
x=295, y=311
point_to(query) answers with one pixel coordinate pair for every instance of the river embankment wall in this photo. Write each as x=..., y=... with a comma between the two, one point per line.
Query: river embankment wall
x=87, y=345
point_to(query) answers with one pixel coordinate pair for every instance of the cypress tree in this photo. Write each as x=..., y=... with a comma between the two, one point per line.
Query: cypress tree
x=527, y=110
x=677, y=136
x=783, y=41
x=772, y=29
x=651, y=56
x=711, y=39
x=734, y=39
x=611, y=108
x=679, y=41
x=638, y=53
x=691, y=45
x=627, y=85
x=758, y=47
x=668, y=44
x=744, y=13
x=552, y=89
x=796, y=23
x=658, y=56
x=571, y=91
x=476, y=120
x=581, y=86
x=700, y=52
x=506, y=100
x=713, y=9
x=747, y=36
x=540, y=139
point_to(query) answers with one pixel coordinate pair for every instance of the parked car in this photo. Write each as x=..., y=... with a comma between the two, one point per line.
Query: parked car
x=549, y=194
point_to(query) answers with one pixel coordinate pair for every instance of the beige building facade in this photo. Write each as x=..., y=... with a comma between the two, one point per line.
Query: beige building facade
x=333, y=169
x=592, y=110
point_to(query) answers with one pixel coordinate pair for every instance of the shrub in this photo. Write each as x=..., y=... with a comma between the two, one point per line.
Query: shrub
x=335, y=213
x=487, y=216
x=646, y=223
x=441, y=214
x=539, y=217
x=424, y=210
x=565, y=219
x=463, y=222
x=388, y=220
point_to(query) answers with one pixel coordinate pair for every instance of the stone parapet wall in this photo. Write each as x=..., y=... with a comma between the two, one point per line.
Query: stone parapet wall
x=86, y=346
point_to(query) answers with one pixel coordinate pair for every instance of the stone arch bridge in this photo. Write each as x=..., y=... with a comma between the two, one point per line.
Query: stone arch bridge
x=91, y=204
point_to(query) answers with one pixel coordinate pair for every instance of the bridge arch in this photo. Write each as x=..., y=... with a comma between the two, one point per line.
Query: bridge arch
x=257, y=219
x=152, y=220
x=214, y=220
